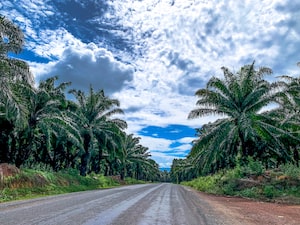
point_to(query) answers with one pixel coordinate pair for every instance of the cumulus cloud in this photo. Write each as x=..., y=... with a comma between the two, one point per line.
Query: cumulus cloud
x=89, y=65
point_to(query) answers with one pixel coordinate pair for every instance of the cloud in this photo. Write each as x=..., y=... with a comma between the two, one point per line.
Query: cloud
x=89, y=65
x=167, y=143
x=89, y=21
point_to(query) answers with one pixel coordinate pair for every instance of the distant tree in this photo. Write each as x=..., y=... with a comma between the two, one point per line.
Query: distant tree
x=133, y=155
x=182, y=170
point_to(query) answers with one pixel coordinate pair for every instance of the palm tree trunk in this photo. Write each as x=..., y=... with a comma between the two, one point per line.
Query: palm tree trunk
x=244, y=150
x=123, y=171
x=84, y=163
x=85, y=156
x=296, y=156
x=6, y=130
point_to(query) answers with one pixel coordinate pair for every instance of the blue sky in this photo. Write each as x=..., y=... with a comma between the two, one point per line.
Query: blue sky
x=153, y=55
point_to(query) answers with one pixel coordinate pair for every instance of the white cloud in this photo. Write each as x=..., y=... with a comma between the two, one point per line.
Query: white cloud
x=159, y=144
x=87, y=65
x=160, y=149
x=199, y=37
x=187, y=140
x=53, y=43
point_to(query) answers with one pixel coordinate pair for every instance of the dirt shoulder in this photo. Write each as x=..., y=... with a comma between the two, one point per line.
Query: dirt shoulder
x=250, y=212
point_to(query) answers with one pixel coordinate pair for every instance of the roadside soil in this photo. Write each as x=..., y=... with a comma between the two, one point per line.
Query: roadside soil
x=251, y=212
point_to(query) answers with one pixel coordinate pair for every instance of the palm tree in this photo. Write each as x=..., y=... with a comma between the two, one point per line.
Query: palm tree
x=133, y=155
x=94, y=113
x=243, y=130
x=48, y=118
x=12, y=70
x=14, y=35
x=182, y=170
x=287, y=116
x=15, y=78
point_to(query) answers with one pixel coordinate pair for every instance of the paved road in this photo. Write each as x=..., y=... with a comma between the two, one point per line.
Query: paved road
x=160, y=204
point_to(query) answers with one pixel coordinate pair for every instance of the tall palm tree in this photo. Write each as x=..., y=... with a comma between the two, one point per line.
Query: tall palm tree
x=12, y=71
x=287, y=116
x=15, y=78
x=48, y=117
x=14, y=35
x=94, y=117
x=239, y=98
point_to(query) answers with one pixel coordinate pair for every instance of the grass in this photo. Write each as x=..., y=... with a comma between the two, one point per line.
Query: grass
x=278, y=185
x=35, y=183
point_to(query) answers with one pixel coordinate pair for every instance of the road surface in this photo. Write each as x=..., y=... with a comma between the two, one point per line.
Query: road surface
x=160, y=204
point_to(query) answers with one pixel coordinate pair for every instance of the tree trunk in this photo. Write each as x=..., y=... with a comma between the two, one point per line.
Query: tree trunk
x=6, y=129
x=123, y=171
x=244, y=151
x=296, y=156
x=85, y=157
x=84, y=163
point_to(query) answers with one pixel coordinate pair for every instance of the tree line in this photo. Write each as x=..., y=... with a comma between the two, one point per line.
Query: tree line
x=41, y=126
x=259, y=120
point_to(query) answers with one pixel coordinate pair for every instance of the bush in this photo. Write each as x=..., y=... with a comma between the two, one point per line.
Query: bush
x=252, y=181
x=291, y=170
x=253, y=192
x=269, y=191
x=208, y=184
x=253, y=167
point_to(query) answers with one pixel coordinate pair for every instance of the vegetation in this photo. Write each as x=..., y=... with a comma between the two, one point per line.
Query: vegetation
x=248, y=128
x=281, y=185
x=258, y=130
x=29, y=183
x=40, y=127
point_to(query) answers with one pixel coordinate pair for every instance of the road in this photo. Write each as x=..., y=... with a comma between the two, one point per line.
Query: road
x=160, y=204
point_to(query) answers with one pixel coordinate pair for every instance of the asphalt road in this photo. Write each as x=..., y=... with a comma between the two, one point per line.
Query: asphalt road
x=160, y=204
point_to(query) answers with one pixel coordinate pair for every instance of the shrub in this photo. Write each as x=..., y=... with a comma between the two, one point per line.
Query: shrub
x=253, y=192
x=269, y=191
x=291, y=170
x=253, y=167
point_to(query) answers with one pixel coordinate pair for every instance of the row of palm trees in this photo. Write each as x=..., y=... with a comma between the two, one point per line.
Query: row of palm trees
x=40, y=126
x=258, y=119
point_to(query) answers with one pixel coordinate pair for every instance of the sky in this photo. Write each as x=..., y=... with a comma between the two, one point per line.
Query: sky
x=153, y=55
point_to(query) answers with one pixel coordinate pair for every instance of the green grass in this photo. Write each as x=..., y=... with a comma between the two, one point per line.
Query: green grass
x=32, y=183
x=129, y=180
x=279, y=185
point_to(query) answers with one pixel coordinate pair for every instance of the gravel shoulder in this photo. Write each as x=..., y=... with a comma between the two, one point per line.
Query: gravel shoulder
x=251, y=212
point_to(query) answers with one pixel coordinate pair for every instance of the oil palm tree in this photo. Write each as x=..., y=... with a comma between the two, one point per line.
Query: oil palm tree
x=182, y=170
x=133, y=154
x=243, y=130
x=287, y=116
x=13, y=72
x=48, y=117
x=15, y=78
x=94, y=113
